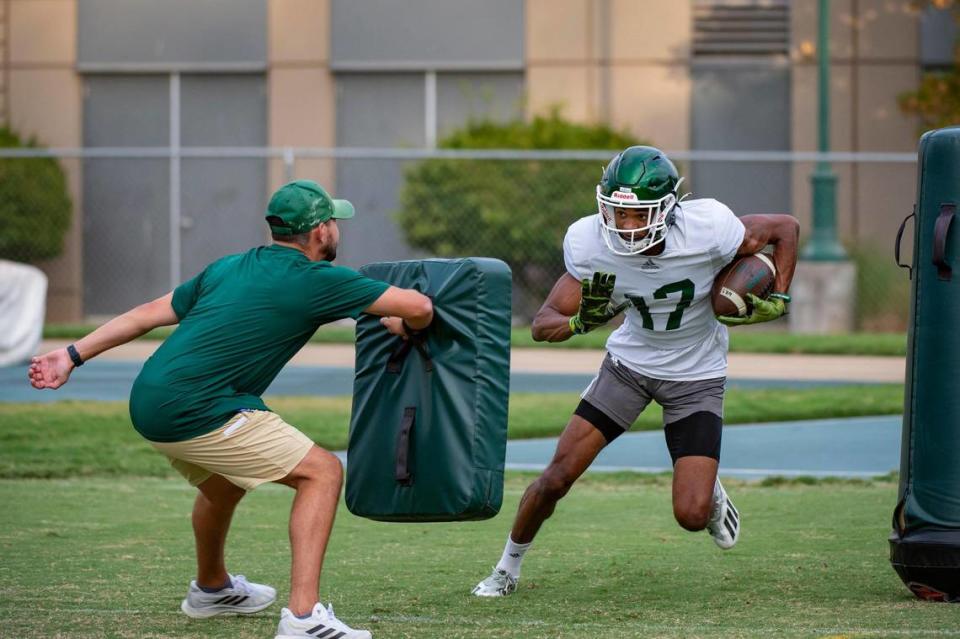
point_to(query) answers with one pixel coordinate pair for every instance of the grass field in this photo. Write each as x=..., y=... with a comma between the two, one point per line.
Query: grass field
x=741, y=341
x=85, y=558
x=101, y=547
x=65, y=439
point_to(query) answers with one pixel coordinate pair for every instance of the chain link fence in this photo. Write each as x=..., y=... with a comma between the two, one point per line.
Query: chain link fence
x=132, y=223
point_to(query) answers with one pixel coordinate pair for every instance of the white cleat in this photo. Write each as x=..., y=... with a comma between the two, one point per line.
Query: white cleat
x=500, y=583
x=320, y=624
x=724, y=524
x=242, y=598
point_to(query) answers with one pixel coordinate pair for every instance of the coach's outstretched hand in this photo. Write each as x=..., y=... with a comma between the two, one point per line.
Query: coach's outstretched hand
x=596, y=307
x=763, y=311
x=51, y=370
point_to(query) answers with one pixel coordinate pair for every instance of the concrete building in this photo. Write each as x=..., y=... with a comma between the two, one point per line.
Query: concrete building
x=685, y=74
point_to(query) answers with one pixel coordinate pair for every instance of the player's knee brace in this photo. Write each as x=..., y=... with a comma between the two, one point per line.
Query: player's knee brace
x=599, y=420
x=696, y=434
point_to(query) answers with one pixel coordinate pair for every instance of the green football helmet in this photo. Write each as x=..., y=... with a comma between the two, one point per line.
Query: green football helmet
x=641, y=177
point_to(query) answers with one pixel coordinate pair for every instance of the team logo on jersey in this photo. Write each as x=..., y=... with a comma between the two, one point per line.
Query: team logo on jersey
x=649, y=265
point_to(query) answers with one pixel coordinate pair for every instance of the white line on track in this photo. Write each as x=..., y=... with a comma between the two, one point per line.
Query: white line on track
x=759, y=472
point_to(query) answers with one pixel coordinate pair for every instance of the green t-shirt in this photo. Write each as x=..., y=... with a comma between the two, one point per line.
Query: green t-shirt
x=241, y=320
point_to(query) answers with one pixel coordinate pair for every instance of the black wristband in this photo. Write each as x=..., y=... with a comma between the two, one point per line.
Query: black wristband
x=74, y=355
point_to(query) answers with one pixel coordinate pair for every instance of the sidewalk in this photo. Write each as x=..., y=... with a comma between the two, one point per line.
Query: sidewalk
x=555, y=360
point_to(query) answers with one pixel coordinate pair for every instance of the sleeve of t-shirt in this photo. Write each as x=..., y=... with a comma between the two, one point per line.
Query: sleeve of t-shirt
x=728, y=231
x=341, y=292
x=574, y=257
x=186, y=295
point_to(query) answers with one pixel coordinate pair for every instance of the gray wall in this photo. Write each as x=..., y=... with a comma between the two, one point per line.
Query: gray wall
x=461, y=96
x=743, y=108
x=222, y=200
x=386, y=33
x=126, y=201
x=376, y=110
x=386, y=110
x=172, y=31
x=938, y=34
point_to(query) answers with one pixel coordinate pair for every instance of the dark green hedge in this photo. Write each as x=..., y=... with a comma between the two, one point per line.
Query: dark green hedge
x=35, y=206
x=517, y=211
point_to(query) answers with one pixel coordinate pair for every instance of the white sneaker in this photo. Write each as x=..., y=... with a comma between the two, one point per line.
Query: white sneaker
x=500, y=583
x=724, y=524
x=242, y=598
x=321, y=624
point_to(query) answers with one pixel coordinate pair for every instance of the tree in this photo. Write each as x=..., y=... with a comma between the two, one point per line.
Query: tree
x=937, y=100
x=34, y=204
x=514, y=210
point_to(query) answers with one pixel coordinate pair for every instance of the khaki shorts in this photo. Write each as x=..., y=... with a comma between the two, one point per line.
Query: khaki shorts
x=252, y=448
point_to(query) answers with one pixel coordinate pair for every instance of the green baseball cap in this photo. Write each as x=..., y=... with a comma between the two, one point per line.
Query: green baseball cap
x=302, y=205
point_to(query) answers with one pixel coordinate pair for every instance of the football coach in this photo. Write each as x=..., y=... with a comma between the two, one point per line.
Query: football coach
x=197, y=398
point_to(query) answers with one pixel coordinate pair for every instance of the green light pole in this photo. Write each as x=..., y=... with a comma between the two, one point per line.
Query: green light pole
x=823, y=245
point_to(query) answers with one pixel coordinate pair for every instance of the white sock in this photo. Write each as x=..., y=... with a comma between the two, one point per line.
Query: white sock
x=512, y=557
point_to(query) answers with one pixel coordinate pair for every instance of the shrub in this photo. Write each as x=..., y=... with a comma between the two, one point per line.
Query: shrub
x=34, y=204
x=517, y=211
x=937, y=100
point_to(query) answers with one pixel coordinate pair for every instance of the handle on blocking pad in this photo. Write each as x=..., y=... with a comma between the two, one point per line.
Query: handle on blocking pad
x=896, y=246
x=404, y=442
x=395, y=363
x=940, y=231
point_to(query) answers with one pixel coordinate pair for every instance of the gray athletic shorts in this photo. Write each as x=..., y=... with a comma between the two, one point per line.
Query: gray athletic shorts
x=622, y=394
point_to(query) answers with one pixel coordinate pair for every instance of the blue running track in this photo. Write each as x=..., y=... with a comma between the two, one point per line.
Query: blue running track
x=856, y=447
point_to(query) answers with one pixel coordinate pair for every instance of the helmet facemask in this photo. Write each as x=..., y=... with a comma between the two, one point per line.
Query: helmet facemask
x=660, y=215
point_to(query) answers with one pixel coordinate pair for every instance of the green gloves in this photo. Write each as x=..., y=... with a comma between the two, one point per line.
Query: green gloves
x=763, y=311
x=596, y=308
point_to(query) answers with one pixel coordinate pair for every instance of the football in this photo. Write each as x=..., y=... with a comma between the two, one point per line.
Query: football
x=748, y=274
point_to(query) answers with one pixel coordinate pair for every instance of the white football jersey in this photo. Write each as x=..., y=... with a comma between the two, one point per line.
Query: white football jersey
x=670, y=331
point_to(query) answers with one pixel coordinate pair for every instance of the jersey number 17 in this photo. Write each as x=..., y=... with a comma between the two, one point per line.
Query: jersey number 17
x=686, y=290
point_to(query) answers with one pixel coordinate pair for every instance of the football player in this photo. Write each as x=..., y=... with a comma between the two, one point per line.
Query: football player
x=647, y=253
